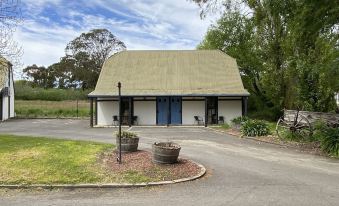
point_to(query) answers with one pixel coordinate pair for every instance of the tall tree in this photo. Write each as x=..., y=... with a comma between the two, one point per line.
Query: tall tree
x=81, y=66
x=88, y=53
x=40, y=76
x=294, y=44
x=98, y=44
x=234, y=34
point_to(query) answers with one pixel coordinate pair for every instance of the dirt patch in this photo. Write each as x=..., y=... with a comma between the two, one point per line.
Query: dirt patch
x=309, y=147
x=234, y=132
x=141, y=162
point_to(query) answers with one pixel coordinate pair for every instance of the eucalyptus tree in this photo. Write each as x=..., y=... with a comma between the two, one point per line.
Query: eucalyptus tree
x=287, y=50
x=88, y=53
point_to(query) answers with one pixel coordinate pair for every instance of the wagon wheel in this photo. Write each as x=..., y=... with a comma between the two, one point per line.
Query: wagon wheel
x=283, y=127
x=299, y=127
x=303, y=127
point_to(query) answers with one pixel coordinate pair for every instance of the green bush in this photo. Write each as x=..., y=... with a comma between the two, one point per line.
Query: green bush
x=328, y=137
x=26, y=92
x=254, y=128
x=294, y=136
x=318, y=130
x=239, y=120
x=330, y=141
x=258, y=109
x=125, y=134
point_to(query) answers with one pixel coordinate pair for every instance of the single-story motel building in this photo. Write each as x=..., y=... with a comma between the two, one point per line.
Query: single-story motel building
x=170, y=87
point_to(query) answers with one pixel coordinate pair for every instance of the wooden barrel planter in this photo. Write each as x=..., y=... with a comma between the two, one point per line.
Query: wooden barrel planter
x=128, y=144
x=129, y=141
x=165, y=152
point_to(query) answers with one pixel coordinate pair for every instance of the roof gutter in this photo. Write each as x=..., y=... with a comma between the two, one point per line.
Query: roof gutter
x=166, y=95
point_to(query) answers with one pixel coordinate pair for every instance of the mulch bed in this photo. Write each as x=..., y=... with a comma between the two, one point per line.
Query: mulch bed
x=141, y=162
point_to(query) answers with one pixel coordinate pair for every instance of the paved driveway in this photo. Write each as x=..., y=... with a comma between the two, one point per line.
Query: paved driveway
x=240, y=171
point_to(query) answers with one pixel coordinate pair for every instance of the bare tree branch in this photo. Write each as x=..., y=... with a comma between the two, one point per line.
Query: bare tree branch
x=10, y=18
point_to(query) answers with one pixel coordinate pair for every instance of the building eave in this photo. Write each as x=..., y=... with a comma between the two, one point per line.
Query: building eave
x=165, y=95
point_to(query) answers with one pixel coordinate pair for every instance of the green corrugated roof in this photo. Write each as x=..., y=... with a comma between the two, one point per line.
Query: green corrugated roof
x=169, y=72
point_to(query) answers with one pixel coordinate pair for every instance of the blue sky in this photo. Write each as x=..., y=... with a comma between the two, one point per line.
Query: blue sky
x=141, y=24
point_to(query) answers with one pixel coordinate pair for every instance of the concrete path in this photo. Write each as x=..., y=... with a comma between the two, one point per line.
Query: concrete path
x=240, y=171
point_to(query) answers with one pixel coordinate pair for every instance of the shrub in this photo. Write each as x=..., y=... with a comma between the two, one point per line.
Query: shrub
x=294, y=136
x=26, y=92
x=225, y=126
x=254, y=128
x=53, y=109
x=125, y=134
x=328, y=137
x=240, y=120
x=330, y=141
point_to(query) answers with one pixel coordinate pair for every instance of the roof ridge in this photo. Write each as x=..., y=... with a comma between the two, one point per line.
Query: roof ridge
x=167, y=50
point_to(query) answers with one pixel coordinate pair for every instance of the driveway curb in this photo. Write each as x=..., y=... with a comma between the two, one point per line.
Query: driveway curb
x=109, y=185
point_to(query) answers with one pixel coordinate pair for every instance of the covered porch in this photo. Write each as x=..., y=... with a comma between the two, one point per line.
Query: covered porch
x=166, y=110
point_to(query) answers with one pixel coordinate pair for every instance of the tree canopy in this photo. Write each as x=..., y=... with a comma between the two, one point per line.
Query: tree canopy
x=82, y=63
x=288, y=51
x=42, y=77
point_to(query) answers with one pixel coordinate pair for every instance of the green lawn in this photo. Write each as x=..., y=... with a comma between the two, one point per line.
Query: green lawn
x=38, y=108
x=39, y=160
x=27, y=160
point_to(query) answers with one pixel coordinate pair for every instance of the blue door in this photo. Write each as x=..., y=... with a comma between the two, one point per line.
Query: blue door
x=175, y=110
x=162, y=110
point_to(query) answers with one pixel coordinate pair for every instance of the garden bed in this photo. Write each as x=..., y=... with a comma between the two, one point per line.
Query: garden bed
x=139, y=167
x=36, y=160
x=308, y=147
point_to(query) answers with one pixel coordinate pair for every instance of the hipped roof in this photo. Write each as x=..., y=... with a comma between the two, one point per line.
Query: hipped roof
x=177, y=73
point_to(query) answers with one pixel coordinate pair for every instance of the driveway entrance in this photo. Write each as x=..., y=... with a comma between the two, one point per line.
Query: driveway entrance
x=240, y=171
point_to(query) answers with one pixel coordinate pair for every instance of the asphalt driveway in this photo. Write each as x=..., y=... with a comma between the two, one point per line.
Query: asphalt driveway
x=240, y=171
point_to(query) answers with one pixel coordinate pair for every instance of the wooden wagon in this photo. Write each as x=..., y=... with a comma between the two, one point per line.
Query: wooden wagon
x=302, y=122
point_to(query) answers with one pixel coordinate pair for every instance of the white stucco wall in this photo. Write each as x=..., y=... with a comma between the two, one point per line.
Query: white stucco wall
x=106, y=109
x=11, y=87
x=191, y=109
x=146, y=112
x=4, y=108
x=5, y=100
x=229, y=109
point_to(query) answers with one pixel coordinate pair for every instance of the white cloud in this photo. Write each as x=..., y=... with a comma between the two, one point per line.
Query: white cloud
x=141, y=24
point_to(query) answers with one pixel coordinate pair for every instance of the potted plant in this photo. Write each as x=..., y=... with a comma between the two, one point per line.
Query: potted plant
x=129, y=141
x=165, y=152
